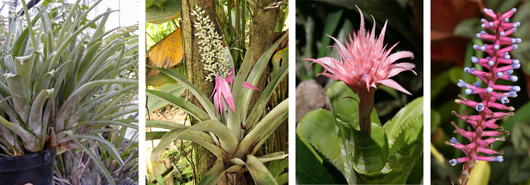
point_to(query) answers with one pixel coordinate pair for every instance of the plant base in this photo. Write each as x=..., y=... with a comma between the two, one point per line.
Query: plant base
x=34, y=168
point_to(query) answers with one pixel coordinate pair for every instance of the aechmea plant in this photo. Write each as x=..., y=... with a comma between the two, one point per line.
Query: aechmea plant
x=366, y=64
x=233, y=136
x=493, y=98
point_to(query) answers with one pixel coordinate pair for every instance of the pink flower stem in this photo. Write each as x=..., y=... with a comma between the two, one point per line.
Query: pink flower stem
x=366, y=105
x=466, y=172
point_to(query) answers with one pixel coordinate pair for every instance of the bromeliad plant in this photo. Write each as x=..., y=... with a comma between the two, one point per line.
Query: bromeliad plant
x=232, y=134
x=362, y=150
x=484, y=130
x=63, y=88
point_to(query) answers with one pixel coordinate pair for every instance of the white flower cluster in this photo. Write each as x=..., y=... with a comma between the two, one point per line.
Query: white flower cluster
x=210, y=46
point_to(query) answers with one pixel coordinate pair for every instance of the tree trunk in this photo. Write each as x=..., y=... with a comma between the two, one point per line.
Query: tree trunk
x=204, y=160
x=261, y=38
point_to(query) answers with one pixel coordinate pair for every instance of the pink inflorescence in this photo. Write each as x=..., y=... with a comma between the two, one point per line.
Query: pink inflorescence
x=494, y=97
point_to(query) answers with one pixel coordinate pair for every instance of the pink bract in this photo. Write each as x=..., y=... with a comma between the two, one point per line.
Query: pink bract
x=365, y=62
x=222, y=90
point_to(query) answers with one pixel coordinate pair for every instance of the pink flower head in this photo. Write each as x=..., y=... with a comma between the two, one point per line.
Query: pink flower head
x=222, y=89
x=365, y=63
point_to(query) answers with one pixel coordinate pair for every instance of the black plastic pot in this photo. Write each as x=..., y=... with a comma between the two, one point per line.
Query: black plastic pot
x=36, y=169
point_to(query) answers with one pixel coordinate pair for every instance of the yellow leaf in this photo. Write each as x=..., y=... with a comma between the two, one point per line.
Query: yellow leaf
x=168, y=52
x=480, y=175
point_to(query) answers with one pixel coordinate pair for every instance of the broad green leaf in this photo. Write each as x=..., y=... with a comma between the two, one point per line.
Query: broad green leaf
x=259, y=172
x=185, y=105
x=228, y=141
x=408, y=119
x=213, y=175
x=163, y=124
x=203, y=99
x=309, y=170
x=366, y=155
x=276, y=168
x=254, y=76
x=263, y=128
x=161, y=79
x=261, y=103
x=399, y=167
x=154, y=135
x=318, y=128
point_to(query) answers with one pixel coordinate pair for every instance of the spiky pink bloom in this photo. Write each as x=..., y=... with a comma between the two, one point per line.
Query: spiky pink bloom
x=222, y=90
x=365, y=64
x=500, y=66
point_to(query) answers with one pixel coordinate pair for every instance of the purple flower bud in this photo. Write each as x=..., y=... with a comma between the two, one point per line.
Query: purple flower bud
x=515, y=88
x=509, y=72
x=491, y=63
x=499, y=74
x=504, y=100
x=479, y=107
x=513, y=78
x=453, y=140
x=453, y=162
x=476, y=84
x=511, y=94
x=468, y=70
x=498, y=158
x=469, y=91
x=474, y=59
x=489, y=89
x=461, y=83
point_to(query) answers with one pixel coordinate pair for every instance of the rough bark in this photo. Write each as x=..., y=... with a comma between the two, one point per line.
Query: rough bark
x=195, y=73
x=261, y=38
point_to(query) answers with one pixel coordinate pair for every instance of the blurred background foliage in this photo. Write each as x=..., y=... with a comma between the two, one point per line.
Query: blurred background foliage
x=454, y=24
x=315, y=20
